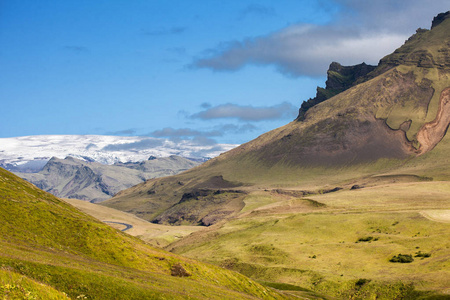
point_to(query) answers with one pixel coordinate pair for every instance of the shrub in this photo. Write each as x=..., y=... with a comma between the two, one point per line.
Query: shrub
x=421, y=254
x=402, y=258
x=179, y=271
x=367, y=239
x=360, y=282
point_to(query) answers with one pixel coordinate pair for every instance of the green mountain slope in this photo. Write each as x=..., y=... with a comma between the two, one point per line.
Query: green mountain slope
x=334, y=201
x=44, y=240
x=388, y=123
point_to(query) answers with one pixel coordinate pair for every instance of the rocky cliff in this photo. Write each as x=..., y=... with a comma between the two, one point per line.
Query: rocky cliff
x=339, y=79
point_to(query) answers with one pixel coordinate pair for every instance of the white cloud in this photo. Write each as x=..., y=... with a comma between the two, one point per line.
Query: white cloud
x=364, y=31
x=248, y=113
x=184, y=132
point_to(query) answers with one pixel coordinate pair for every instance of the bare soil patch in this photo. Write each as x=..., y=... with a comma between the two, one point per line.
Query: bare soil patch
x=442, y=216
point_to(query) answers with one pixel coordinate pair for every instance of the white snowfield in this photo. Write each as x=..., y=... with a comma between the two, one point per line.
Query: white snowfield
x=100, y=148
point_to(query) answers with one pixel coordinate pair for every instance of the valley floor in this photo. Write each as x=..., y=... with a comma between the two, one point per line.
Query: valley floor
x=338, y=244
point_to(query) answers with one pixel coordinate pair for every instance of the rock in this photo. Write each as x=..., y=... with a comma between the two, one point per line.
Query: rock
x=356, y=187
x=178, y=271
x=339, y=79
x=95, y=182
x=439, y=18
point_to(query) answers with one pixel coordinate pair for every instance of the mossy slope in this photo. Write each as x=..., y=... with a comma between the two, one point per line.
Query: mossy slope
x=46, y=240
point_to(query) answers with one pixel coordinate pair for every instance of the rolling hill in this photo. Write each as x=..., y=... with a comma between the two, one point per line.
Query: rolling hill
x=50, y=250
x=330, y=200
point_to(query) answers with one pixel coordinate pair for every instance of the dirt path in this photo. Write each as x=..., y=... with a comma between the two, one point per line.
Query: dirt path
x=442, y=216
x=127, y=226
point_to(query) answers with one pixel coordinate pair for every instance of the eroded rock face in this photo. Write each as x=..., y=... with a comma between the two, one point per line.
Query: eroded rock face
x=440, y=18
x=433, y=132
x=339, y=79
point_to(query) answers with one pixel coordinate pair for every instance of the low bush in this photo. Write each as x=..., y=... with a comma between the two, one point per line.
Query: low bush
x=179, y=271
x=421, y=254
x=367, y=239
x=360, y=282
x=402, y=258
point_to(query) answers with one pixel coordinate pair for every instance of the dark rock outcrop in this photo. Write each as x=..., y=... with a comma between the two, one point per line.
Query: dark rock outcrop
x=339, y=79
x=440, y=18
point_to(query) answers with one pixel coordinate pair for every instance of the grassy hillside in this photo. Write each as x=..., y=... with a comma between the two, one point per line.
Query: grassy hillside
x=340, y=243
x=44, y=240
x=16, y=286
x=157, y=235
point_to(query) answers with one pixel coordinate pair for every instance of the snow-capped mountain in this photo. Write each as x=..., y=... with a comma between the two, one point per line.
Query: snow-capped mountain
x=31, y=153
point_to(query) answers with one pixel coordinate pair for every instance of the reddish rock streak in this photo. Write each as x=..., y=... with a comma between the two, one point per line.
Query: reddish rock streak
x=433, y=132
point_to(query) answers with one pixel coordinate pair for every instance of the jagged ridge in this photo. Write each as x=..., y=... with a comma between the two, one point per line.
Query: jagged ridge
x=339, y=79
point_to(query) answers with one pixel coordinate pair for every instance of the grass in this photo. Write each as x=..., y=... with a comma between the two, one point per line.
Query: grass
x=45, y=240
x=316, y=249
x=154, y=234
x=276, y=236
x=16, y=286
x=310, y=242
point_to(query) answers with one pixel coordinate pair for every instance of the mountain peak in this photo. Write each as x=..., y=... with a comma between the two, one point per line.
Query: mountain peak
x=439, y=19
x=339, y=79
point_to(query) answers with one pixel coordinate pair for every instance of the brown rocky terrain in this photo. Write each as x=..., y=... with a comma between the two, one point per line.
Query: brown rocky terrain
x=432, y=133
x=380, y=118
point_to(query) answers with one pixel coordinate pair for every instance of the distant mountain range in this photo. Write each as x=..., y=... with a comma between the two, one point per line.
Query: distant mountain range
x=95, y=182
x=31, y=153
x=96, y=167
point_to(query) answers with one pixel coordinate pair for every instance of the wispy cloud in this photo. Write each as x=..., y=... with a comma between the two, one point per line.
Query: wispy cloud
x=232, y=128
x=140, y=145
x=257, y=10
x=180, y=51
x=248, y=113
x=205, y=105
x=362, y=31
x=203, y=141
x=303, y=50
x=76, y=49
x=164, y=31
x=128, y=132
x=216, y=131
x=196, y=137
x=183, y=132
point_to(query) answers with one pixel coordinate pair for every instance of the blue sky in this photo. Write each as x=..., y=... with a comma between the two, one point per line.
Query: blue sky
x=211, y=71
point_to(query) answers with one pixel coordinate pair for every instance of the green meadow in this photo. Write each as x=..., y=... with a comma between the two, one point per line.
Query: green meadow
x=338, y=244
x=51, y=250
